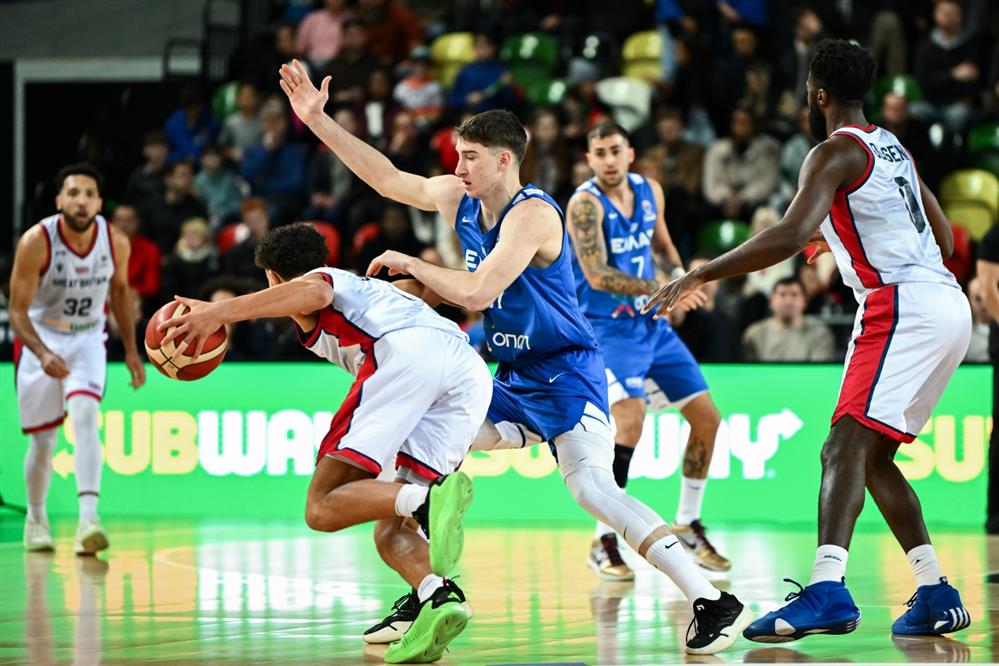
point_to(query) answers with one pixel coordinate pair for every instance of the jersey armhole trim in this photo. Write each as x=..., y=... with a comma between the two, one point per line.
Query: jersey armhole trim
x=114, y=258
x=857, y=184
x=48, y=252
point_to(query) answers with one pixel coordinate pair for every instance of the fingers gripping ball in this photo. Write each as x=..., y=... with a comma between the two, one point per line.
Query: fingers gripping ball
x=174, y=364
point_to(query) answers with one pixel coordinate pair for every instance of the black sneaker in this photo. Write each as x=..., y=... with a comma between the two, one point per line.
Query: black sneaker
x=404, y=612
x=716, y=624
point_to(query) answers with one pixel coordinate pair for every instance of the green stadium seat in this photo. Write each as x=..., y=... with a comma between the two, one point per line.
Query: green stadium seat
x=642, y=54
x=900, y=84
x=546, y=92
x=629, y=99
x=721, y=236
x=224, y=100
x=984, y=138
x=531, y=57
x=449, y=53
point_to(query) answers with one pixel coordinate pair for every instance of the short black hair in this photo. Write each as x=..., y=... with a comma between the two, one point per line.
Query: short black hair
x=496, y=129
x=787, y=282
x=844, y=69
x=79, y=169
x=291, y=251
x=606, y=129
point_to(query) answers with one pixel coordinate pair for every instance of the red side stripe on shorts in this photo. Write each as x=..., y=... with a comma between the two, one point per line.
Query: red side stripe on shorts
x=424, y=470
x=340, y=425
x=45, y=426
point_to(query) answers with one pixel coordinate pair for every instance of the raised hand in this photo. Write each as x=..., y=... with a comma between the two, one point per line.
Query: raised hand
x=306, y=100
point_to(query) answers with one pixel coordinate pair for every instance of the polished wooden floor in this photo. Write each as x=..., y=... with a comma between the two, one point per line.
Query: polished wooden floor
x=200, y=592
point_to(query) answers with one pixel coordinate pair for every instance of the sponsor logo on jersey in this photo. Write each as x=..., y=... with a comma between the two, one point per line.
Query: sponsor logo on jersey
x=647, y=211
x=518, y=341
x=623, y=244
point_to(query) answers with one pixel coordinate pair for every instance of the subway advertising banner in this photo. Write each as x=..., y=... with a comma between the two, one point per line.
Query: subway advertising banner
x=242, y=442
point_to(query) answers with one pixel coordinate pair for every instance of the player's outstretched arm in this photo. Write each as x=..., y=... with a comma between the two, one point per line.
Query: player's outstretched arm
x=585, y=220
x=938, y=220
x=528, y=228
x=123, y=306
x=30, y=260
x=441, y=193
x=302, y=296
x=828, y=166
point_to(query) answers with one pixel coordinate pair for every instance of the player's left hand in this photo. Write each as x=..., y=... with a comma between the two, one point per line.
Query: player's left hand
x=396, y=263
x=668, y=296
x=136, y=367
x=200, y=321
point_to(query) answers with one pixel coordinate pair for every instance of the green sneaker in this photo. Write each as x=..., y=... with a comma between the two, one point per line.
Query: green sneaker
x=440, y=517
x=442, y=617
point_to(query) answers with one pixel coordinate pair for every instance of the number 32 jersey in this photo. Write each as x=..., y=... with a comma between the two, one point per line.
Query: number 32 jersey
x=877, y=228
x=73, y=287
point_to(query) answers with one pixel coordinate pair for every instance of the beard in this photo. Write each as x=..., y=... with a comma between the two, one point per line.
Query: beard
x=817, y=123
x=74, y=222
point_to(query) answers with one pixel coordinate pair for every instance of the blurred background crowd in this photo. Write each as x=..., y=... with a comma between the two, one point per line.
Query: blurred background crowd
x=712, y=92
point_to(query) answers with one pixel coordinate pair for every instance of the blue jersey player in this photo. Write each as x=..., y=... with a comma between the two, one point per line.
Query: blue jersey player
x=621, y=242
x=551, y=377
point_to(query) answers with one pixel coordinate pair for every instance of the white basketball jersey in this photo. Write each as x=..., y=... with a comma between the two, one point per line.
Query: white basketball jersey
x=73, y=288
x=877, y=228
x=363, y=310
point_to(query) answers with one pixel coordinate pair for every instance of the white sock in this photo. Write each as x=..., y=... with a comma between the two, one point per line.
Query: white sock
x=691, y=498
x=409, y=499
x=601, y=530
x=428, y=586
x=83, y=413
x=925, y=565
x=830, y=564
x=668, y=556
x=38, y=472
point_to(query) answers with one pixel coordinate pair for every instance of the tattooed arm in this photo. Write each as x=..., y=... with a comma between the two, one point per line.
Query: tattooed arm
x=586, y=226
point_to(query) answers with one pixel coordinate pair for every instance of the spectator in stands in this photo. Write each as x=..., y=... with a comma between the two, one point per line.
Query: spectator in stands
x=218, y=186
x=353, y=67
x=242, y=129
x=275, y=167
x=377, y=110
x=262, y=56
x=947, y=66
x=407, y=149
x=144, y=260
x=690, y=88
x=709, y=333
x=331, y=185
x=734, y=12
x=875, y=23
x=320, y=34
x=816, y=294
x=191, y=127
x=796, y=59
x=247, y=340
x=682, y=163
x=914, y=135
x=394, y=233
x=420, y=93
x=788, y=335
x=393, y=29
x=484, y=83
x=792, y=156
x=146, y=181
x=239, y=261
x=192, y=262
x=978, y=349
x=744, y=78
x=163, y=215
x=546, y=163
x=740, y=171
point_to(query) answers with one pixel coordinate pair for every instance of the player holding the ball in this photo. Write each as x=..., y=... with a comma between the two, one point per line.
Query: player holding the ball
x=65, y=269
x=421, y=392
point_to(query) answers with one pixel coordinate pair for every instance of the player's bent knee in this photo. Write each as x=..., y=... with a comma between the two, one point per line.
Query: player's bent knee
x=320, y=518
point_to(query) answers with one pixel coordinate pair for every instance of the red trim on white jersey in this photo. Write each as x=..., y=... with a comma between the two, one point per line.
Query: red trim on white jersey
x=340, y=425
x=93, y=239
x=114, y=260
x=48, y=252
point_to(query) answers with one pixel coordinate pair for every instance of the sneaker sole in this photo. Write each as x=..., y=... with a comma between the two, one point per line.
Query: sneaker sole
x=448, y=505
x=836, y=630
x=957, y=619
x=427, y=645
x=733, y=632
x=39, y=547
x=390, y=634
x=92, y=544
x=603, y=575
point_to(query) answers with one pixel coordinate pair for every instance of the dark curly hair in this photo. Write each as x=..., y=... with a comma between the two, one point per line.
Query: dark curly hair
x=291, y=251
x=844, y=69
x=79, y=169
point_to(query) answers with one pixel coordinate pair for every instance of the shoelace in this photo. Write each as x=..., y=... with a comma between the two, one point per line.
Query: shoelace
x=403, y=601
x=912, y=600
x=609, y=542
x=791, y=596
x=700, y=533
x=708, y=614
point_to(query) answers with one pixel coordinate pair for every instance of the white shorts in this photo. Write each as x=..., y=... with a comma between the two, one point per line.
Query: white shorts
x=42, y=399
x=419, y=398
x=907, y=341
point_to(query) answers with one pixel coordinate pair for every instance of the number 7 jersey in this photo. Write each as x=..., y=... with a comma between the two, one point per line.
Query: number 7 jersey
x=877, y=228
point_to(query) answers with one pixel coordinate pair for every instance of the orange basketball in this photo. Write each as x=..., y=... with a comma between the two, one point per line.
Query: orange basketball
x=182, y=366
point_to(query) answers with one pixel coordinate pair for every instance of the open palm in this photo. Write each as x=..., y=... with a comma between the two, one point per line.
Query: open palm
x=306, y=100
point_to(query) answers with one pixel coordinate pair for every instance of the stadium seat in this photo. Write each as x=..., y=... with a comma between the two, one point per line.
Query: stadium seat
x=449, y=53
x=972, y=186
x=642, y=54
x=960, y=261
x=599, y=50
x=332, y=237
x=629, y=100
x=224, y=100
x=972, y=216
x=530, y=57
x=721, y=236
x=900, y=84
x=364, y=235
x=984, y=138
x=229, y=235
x=546, y=93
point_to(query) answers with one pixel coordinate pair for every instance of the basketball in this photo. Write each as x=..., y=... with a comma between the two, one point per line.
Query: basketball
x=182, y=366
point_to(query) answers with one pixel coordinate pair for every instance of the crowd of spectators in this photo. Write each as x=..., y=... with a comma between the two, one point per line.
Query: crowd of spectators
x=726, y=132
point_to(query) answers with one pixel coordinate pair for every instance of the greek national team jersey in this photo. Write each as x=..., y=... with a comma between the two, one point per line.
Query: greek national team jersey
x=877, y=228
x=73, y=288
x=538, y=314
x=363, y=310
x=629, y=250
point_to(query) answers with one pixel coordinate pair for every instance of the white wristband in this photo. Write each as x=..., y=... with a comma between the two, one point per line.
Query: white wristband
x=677, y=273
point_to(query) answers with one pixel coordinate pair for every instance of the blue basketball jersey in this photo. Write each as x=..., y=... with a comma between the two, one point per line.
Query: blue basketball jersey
x=629, y=250
x=538, y=314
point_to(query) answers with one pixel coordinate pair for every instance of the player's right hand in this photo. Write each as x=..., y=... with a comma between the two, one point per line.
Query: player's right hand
x=306, y=100
x=54, y=366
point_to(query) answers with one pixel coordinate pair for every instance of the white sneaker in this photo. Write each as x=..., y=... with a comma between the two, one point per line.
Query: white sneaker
x=37, y=536
x=90, y=538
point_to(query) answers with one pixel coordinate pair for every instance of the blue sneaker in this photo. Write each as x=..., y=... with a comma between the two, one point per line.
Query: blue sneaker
x=821, y=608
x=933, y=610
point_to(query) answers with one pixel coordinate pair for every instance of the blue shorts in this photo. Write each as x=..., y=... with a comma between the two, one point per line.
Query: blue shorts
x=645, y=358
x=549, y=396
